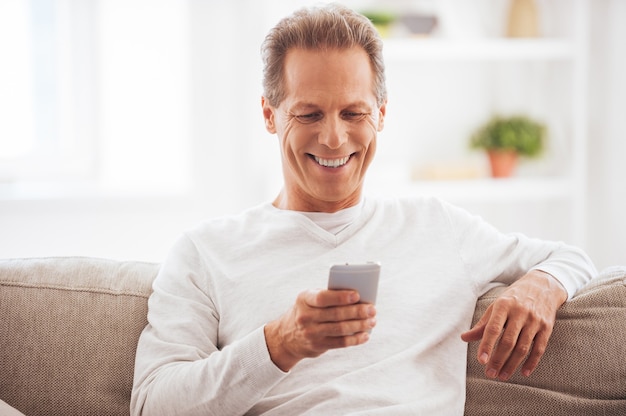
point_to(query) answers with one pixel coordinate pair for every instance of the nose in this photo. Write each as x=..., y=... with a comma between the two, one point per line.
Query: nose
x=333, y=133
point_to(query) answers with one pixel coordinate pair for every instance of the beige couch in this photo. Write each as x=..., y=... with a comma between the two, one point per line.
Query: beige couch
x=68, y=329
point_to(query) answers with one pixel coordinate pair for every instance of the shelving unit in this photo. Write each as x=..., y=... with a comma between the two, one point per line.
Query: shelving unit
x=418, y=50
x=484, y=189
x=442, y=88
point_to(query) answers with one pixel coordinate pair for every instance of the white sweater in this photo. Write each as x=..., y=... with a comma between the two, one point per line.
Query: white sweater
x=204, y=351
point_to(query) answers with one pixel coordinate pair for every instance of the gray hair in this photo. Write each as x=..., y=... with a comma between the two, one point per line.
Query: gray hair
x=329, y=27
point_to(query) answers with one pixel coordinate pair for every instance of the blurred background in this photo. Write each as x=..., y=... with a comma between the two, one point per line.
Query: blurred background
x=125, y=122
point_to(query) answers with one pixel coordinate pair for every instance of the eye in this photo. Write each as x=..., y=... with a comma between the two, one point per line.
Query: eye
x=353, y=115
x=309, y=118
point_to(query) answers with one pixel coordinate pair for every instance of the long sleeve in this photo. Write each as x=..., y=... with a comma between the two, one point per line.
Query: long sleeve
x=496, y=258
x=204, y=351
x=179, y=367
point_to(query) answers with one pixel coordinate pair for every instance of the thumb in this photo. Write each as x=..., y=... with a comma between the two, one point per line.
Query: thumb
x=476, y=332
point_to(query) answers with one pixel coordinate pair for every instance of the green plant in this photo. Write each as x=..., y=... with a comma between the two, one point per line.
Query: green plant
x=518, y=133
x=380, y=17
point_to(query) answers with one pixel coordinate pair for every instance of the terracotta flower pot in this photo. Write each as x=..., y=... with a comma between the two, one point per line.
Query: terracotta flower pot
x=503, y=163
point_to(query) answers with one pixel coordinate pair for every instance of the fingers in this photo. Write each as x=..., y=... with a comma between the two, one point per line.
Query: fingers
x=330, y=315
x=328, y=298
x=492, y=324
x=510, y=351
x=318, y=321
x=512, y=336
x=477, y=331
x=340, y=335
x=539, y=348
x=339, y=321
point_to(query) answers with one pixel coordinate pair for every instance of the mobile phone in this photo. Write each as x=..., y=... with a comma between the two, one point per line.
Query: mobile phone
x=360, y=277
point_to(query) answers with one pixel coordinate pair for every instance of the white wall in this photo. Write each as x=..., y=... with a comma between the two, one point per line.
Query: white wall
x=235, y=162
x=607, y=134
x=129, y=222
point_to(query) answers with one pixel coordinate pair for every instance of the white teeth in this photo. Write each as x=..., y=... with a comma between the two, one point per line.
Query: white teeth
x=332, y=163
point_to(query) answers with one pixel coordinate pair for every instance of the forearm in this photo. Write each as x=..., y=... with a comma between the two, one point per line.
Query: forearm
x=180, y=366
x=184, y=382
x=492, y=257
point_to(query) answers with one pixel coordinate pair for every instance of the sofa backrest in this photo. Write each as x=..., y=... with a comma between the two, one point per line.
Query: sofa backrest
x=68, y=333
x=69, y=329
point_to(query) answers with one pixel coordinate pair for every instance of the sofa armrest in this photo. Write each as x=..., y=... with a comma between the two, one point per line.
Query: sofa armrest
x=582, y=371
x=68, y=333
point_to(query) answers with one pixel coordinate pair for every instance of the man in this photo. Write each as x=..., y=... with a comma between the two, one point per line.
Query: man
x=239, y=322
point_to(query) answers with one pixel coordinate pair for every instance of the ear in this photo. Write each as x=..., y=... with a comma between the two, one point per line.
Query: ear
x=268, y=115
x=381, y=116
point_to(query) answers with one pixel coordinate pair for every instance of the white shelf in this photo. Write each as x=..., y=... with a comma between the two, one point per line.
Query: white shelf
x=443, y=88
x=479, y=190
x=499, y=49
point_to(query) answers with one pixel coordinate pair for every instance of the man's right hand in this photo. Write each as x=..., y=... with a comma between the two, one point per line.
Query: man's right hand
x=319, y=321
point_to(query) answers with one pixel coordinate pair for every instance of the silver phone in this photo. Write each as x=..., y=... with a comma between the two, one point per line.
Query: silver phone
x=360, y=277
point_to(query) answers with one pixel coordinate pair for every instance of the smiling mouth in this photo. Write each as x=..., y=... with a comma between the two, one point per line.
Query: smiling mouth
x=332, y=163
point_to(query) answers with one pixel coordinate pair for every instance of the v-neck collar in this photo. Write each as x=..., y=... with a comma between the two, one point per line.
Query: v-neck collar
x=335, y=222
x=334, y=228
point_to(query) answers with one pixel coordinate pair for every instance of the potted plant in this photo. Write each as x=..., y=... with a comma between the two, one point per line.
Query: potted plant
x=381, y=19
x=506, y=138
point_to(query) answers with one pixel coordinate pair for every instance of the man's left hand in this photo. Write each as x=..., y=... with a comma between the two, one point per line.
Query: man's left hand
x=516, y=327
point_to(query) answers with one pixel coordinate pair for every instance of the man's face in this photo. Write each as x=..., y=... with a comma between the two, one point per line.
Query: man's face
x=327, y=126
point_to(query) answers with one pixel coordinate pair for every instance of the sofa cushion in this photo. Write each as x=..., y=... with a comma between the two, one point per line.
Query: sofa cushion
x=582, y=371
x=68, y=333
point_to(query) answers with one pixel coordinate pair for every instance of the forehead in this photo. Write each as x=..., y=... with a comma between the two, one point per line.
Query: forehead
x=333, y=74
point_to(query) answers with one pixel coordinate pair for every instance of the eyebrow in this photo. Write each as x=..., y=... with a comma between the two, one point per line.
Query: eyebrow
x=300, y=106
x=303, y=106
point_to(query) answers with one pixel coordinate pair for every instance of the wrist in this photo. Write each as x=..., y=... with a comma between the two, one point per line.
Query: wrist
x=553, y=285
x=280, y=356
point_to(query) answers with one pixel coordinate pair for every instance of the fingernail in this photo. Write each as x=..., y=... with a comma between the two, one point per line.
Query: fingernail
x=483, y=358
x=525, y=373
x=504, y=376
x=492, y=373
x=371, y=311
x=372, y=322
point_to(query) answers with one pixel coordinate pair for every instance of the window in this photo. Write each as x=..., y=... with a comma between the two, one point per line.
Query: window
x=90, y=99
